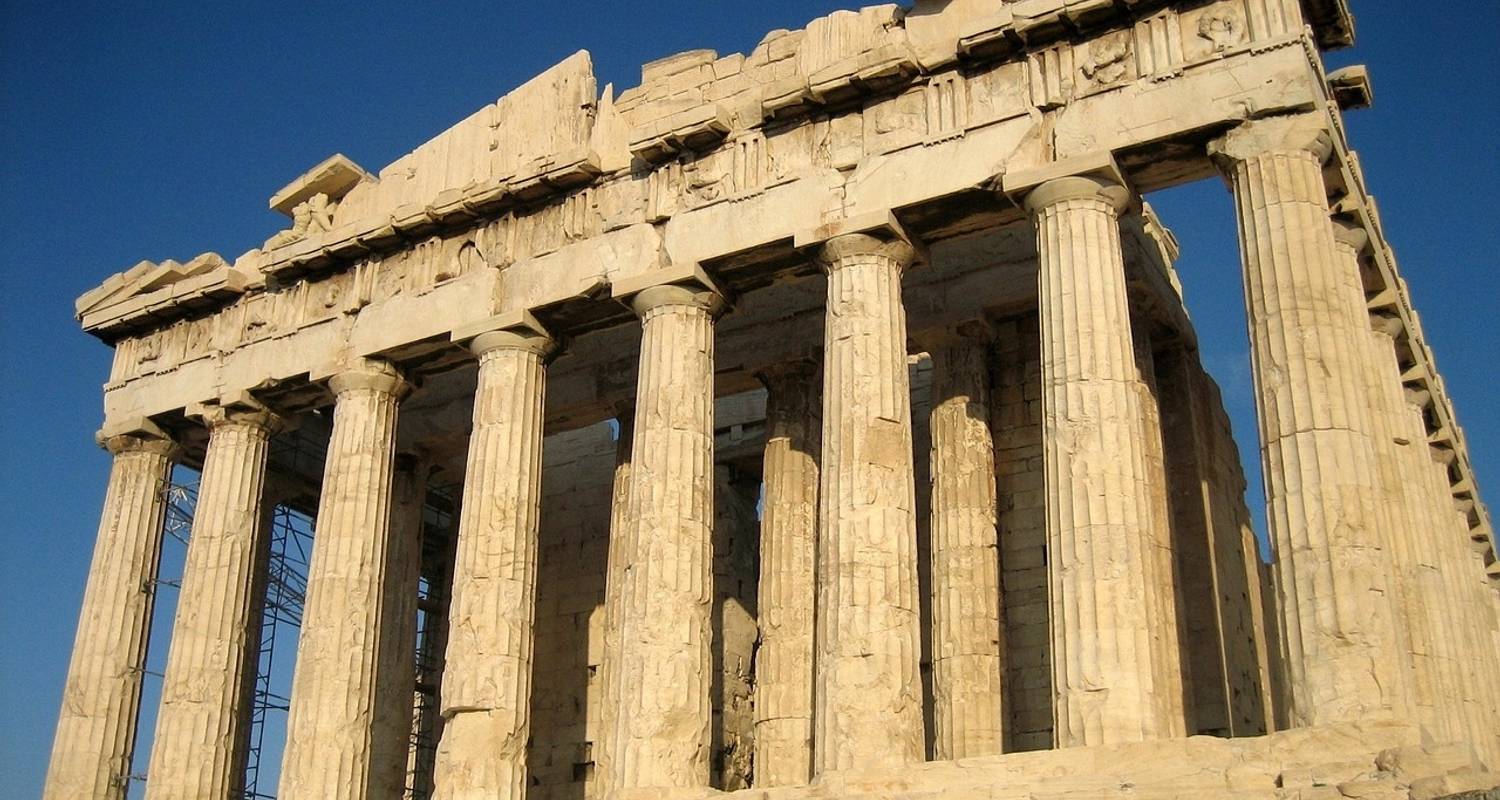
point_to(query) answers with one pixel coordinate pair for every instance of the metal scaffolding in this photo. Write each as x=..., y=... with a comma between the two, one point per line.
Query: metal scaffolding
x=281, y=615
x=287, y=554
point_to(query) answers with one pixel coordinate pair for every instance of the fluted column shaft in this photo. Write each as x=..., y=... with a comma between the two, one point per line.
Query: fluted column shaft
x=95, y=736
x=1110, y=681
x=868, y=702
x=1402, y=452
x=1462, y=607
x=619, y=549
x=1308, y=343
x=666, y=662
x=1164, y=601
x=788, y=576
x=347, y=616
x=395, y=708
x=1420, y=617
x=486, y=693
x=966, y=644
x=199, y=749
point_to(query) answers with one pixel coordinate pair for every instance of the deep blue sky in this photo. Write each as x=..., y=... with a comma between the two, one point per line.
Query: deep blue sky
x=148, y=132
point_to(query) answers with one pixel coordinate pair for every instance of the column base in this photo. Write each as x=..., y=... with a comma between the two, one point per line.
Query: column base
x=1387, y=759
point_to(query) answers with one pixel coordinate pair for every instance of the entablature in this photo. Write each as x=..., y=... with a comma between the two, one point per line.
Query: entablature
x=703, y=130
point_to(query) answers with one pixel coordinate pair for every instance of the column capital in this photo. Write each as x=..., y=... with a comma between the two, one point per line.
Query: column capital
x=1077, y=187
x=1387, y=326
x=683, y=285
x=370, y=374
x=1086, y=176
x=874, y=234
x=242, y=410
x=1301, y=133
x=138, y=434
x=1350, y=235
x=513, y=330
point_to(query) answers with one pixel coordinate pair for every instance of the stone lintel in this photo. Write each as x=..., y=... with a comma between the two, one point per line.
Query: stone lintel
x=882, y=224
x=965, y=331
x=238, y=405
x=1099, y=165
x=519, y=321
x=138, y=427
x=333, y=176
x=690, y=275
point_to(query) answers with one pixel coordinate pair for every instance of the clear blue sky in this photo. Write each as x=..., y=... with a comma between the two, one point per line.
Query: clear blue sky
x=159, y=131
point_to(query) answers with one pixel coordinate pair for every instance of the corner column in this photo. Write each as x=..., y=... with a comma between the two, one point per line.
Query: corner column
x=486, y=696
x=199, y=749
x=966, y=644
x=868, y=701
x=1308, y=345
x=95, y=736
x=788, y=580
x=331, y=726
x=661, y=736
x=1112, y=682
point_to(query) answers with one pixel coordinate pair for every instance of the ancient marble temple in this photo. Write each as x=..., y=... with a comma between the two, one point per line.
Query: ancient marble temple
x=822, y=422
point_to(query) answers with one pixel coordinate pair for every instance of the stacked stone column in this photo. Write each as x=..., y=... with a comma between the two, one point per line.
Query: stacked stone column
x=966, y=642
x=619, y=549
x=95, y=736
x=1404, y=534
x=661, y=734
x=198, y=752
x=1112, y=682
x=868, y=701
x=486, y=693
x=788, y=580
x=1324, y=500
x=394, y=696
x=340, y=652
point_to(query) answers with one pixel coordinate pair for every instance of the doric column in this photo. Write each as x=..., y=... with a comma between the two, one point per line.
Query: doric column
x=1110, y=681
x=1308, y=346
x=199, y=749
x=95, y=736
x=1164, y=600
x=1402, y=528
x=661, y=735
x=788, y=580
x=868, y=701
x=619, y=550
x=335, y=688
x=486, y=693
x=1427, y=490
x=966, y=644
x=397, y=681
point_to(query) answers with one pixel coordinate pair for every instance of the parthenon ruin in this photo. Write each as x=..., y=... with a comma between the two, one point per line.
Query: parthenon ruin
x=821, y=422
